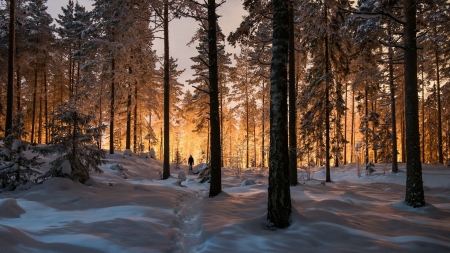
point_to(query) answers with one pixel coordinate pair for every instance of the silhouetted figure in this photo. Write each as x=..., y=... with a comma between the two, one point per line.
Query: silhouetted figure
x=190, y=162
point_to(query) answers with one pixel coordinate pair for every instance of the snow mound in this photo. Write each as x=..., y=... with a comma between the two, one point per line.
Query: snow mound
x=199, y=168
x=143, y=155
x=182, y=175
x=66, y=168
x=116, y=166
x=10, y=209
x=248, y=182
x=127, y=152
x=152, y=153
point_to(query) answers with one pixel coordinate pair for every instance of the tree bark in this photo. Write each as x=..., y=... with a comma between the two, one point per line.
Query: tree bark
x=111, y=119
x=292, y=103
x=135, y=145
x=128, y=134
x=279, y=196
x=166, y=164
x=10, y=88
x=439, y=119
x=393, y=116
x=34, y=105
x=414, y=184
x=327, y=101
x=216, y=149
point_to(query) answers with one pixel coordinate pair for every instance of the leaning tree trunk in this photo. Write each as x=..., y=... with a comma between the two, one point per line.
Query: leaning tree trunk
x=292, y=103
x=166, y=165
x=279, y=196
x=10, y=88
x=216, y=149
x=414, y=184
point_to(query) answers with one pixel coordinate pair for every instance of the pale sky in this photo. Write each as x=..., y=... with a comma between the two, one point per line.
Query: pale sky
x=180, y=31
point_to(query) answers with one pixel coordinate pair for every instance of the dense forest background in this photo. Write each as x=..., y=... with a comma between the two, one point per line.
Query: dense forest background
x=347, y=59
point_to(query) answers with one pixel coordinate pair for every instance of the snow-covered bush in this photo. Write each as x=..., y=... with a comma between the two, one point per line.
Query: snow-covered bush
x=75, y=141
x=205, y=174
x=370, y=168
x=15, y=168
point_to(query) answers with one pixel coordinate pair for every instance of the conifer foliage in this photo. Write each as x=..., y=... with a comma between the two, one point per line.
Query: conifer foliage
x=15, y=168
x=75, y=140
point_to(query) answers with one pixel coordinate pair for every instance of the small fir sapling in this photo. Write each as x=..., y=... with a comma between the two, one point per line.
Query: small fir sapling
x=15, y=168
x=370, y=168
x=74, y=140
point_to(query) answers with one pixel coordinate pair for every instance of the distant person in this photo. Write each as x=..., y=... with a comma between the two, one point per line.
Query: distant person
x=190, y=162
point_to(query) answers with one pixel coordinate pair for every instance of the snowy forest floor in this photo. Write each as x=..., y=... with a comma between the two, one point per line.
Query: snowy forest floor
x=130, y=210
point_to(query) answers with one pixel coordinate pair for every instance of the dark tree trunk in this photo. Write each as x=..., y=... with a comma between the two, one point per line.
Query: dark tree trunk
x=216, y=149
x=327, y=102
x=366, y=130
x=352, y=135
x=40, y=114
x=263, y=127
x=128, y=134
x=34, y=105
x=111, y=119
x=10, y=88
x=246, y=117
x=423, y=117
x=345, y=124
x=279, y=196
x=292, y=103
x=19, y=88
x=18, y=81
x=414, y=184
x=135, y=145
x=438, y=98
x=166, y=164
x=221, y=124
x=393, y=116
x=47, y=130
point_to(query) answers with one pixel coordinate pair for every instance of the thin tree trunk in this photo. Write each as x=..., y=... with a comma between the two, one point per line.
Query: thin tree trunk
x=439, y=119
x=327, y=102
x=46, y=100
x=128, y=134
x=10, y=88
x=166, y=164
x=352, y=134
x=292, y=103
x=423, y=117
x=263, y=125
x=345, y=124
x=279, y=196
x=136, y=148
x=34, y=105
x=19, y=88
x=366, y=131
x=393, y=116
x=414, y=183
x=403, y=139
x=40, y=115
x=111, y=120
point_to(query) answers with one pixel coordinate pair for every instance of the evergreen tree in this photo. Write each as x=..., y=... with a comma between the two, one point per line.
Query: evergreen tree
x=15, y=168
x=74, y=140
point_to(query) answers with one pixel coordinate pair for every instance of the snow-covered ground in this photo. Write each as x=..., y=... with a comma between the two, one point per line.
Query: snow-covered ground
x=127, y=209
